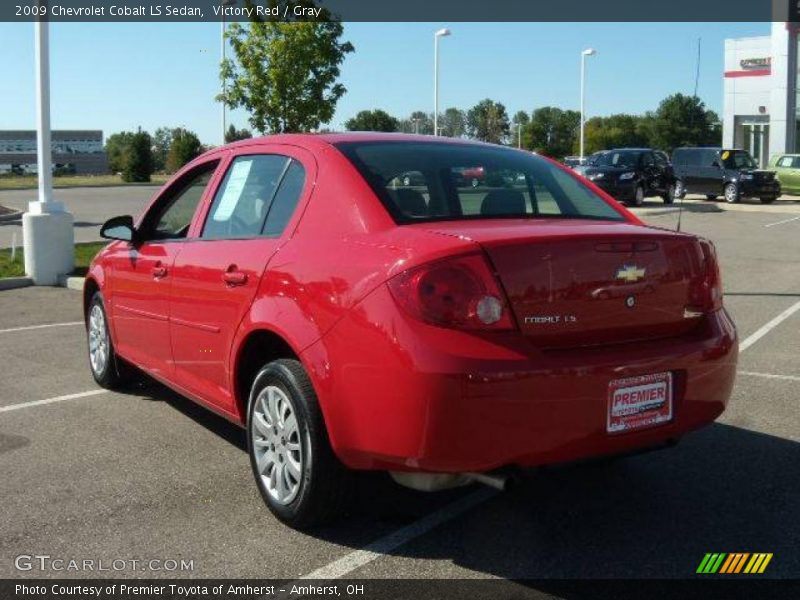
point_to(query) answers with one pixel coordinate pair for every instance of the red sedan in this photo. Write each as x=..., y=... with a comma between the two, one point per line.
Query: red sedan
x=293, y=285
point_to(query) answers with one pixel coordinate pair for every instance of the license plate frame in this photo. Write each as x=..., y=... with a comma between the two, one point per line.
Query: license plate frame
x=639, y=402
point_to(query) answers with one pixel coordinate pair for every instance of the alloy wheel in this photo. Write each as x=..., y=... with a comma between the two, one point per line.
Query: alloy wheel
x=98, y=340
x=277, y=444
x=731, y=193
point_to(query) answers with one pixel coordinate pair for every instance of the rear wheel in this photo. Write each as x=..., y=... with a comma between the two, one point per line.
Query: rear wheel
x=299, y=477
x=680, y=190
x=107, y=369
x=767, y=200
x=731, y=193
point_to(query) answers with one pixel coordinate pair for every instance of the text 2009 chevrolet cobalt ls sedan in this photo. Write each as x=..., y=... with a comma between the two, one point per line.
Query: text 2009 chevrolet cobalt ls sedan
x=355, y=303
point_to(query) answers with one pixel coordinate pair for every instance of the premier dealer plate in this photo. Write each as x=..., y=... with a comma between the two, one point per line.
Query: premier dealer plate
x=639, y=402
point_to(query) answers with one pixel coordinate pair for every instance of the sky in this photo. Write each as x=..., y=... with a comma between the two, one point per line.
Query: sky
x=119, y=76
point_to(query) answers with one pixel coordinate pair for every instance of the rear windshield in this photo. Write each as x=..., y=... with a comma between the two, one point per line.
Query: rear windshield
x=423, y=181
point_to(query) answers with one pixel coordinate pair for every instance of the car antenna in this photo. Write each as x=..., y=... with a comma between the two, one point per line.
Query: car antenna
x=680, y=212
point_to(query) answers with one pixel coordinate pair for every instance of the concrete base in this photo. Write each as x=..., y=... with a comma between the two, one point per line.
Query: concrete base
x=49, y=244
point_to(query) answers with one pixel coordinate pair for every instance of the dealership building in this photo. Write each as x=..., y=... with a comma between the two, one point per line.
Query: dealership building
x=760, y=100
x=78, y=152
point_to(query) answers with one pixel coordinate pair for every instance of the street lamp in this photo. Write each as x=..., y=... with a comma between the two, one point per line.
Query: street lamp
x=47, y=234
x=223, y=4
x=439, y=34
x=584, y=54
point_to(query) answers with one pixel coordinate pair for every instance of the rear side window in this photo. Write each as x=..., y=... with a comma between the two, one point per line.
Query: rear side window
x=257, y=197
x=425, y=181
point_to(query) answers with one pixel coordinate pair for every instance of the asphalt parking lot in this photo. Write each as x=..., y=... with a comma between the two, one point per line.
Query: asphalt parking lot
x=148, y=475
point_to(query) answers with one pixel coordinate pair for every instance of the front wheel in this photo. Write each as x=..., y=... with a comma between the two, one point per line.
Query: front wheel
x=299, y=477
x=103, y=360
x=767, y=200
x=638, y=196
x=669, y=195
x=731, y=193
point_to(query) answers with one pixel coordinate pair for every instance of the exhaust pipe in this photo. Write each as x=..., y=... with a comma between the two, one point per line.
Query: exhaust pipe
x=498, y=482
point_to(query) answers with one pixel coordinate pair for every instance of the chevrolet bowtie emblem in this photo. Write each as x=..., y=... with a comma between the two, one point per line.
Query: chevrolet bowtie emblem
x=630, y=273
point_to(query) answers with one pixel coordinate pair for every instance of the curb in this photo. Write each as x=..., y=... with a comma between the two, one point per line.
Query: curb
x=72, y=283
x=12, y=283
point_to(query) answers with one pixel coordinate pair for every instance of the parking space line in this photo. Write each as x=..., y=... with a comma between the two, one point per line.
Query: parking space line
x=765, y=329
x=383, y=546
x=770, y=375
x=30, y=327
x=22, y=405
x=782, y=222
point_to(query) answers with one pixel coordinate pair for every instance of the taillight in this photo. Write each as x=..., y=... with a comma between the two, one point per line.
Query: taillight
x=459, y=292
x=706, y=293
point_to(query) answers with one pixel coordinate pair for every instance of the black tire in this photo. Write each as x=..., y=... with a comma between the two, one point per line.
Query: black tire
x=731, y=191
x=711, y=197
x=680, y=190
x=638, y=196
x=113, y=373
x=669, y=195
x=767, y=200
x=325, y=485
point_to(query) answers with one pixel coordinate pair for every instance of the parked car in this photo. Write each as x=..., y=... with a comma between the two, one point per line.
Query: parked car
x=473, y=176
x=437, y=334
x=787, y=170
x=730, y=173
x=632, y=174
x=588, y=162
x=574, y=161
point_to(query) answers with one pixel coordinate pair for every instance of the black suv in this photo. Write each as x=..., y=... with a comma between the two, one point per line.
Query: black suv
x=727, y=172
x=632, y=174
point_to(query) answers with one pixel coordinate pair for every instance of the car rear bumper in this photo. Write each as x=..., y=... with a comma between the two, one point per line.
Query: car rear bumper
x=407, y=396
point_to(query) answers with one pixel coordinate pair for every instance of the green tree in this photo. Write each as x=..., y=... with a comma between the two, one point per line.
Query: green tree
x=162, y=140
x=684, y=121
x=372, y=120
x=419, y=122
x=234, y=135
x=453, y=122
x=137, y=161
x=285, y=73
x=488, y=121
x=185, y=146
x=552, y=131
x=116, y=147
x=615, y=131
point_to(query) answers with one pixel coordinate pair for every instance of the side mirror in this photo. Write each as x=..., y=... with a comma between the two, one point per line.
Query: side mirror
x=119, y=228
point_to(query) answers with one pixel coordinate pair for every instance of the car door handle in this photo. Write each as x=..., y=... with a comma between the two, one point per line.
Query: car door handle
x=232, y=276
x=159, y=271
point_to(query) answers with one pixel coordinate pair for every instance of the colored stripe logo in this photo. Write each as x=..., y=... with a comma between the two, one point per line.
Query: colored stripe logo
x=734, y=562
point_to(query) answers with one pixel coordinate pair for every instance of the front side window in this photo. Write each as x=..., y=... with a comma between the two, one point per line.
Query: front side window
x=463, y=181
x=172, y=216
x=257, y=197
x=737, y=159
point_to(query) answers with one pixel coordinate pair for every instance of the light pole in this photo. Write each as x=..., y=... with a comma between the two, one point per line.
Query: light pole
x=439, y=34
x=584, y=54
x=223, y=44
x=47, y=235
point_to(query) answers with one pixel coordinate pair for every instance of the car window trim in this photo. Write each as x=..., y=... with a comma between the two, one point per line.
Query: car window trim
x=228, y=167
x=168, y=194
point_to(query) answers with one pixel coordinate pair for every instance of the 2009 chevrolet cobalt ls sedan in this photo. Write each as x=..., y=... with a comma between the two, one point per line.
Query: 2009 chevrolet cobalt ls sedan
x=356, y=303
